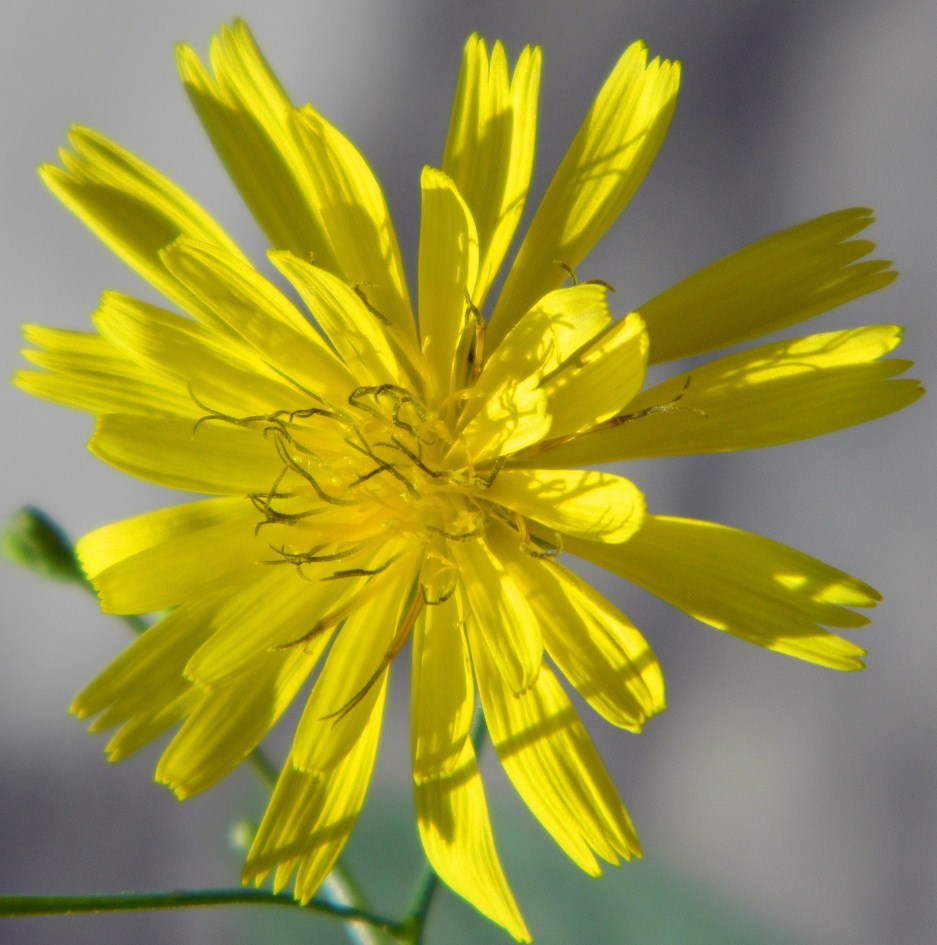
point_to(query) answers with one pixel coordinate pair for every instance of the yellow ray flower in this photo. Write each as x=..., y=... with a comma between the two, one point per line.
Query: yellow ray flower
x=382, y=475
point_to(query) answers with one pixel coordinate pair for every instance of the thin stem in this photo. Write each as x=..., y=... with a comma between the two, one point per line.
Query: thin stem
x=412, y=926
x=137, y=624
x=342, y=889
x=264, y=768
x=423, y=893
x=16, y=905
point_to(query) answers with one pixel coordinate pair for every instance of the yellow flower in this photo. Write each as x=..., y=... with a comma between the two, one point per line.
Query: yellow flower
x=385, y=472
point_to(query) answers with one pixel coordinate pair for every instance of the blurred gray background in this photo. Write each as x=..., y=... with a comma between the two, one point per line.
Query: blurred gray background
x=801, y=801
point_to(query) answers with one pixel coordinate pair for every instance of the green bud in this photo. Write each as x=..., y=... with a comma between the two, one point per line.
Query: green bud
x=32, y=540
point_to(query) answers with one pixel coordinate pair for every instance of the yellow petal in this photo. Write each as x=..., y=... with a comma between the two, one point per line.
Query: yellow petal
x=514, y=417
x=311, y=816
x=593, y=505
x=775, y=394
x=441, y=693
x=245, y=111
x=215, y=459
x=86, y=372
x=247, y=308
x=559, y=326
x=221, y=373
x=601, y=171
x=358, y=335
x=275, y=609
x=591, y=386
x=160, y=559
x=553, y=330
x=148, y=673
x=354, y=673
x=779, y=281
x=132, y=208
x=230, y=722
x=595, y=646
x=747, y=585
x=490, y=146
x=144, y=690
x=148, y=725
x=447, y=275
x=552, y=762
x=498, y=607
x=356, y=217
x=456, y=832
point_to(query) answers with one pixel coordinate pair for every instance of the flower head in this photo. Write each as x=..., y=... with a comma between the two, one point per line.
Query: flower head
x=386, y=472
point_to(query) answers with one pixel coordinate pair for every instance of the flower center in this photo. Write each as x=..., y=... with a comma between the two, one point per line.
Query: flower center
x=356, y=477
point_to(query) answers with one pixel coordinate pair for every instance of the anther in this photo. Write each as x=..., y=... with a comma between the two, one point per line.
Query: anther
x=382, y=465
x=486, y=482
x=361, y=572
x=455, y=536
x=359, y=291
x=312, y=556
x=446, y=595
x=567, y=269
x=575, y=281
x=289, y=461
x=414, y=458
x=658, y=408
x=477, y=351
x=305, y=638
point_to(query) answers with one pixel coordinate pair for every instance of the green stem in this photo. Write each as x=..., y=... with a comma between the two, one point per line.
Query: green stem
x=264, y=768
x=137, y=624
x=16, y=905
x=412, y=926
x=342, y=889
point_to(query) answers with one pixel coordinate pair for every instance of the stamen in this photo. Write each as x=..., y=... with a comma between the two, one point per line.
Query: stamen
x=359, y=291
x=288, y=460
x=294, y=383
x=602, y=282
x=306, y=413
x=224, y=417
x=320, y=627
x=414, y=458
x=477, y=351
x=382, y=465
x=446, y=595
x=522, y=527
x=361, y=572
x=568, y=270
x=619, y=419
x=532, y=545
x=325, y=623
x=312, y=556
x=486, y=482
x=659, y=408
x=572, y=277
x=272, y=517
x=455, y=536
x=274, y=419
